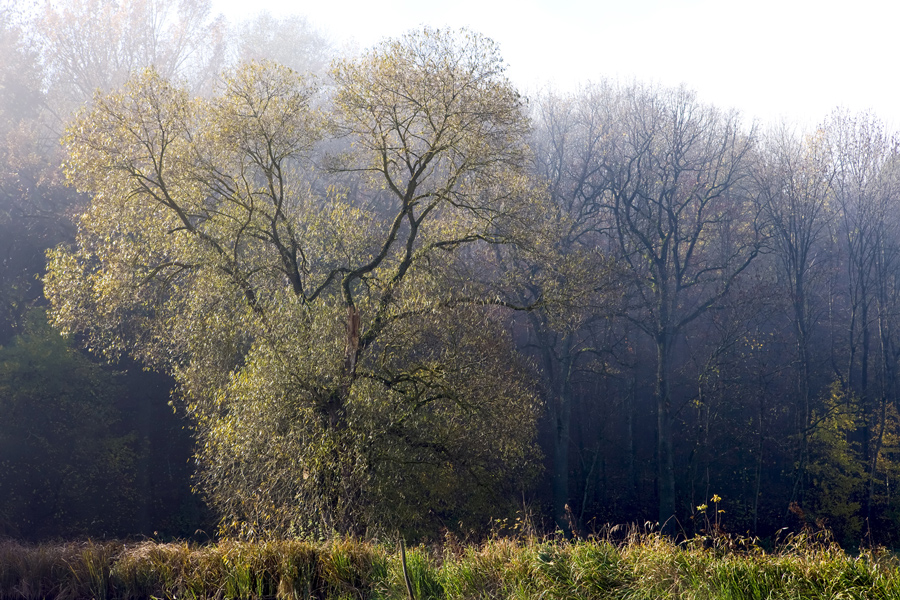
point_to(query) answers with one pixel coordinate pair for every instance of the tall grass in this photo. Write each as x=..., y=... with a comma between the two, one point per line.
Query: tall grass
x=642, y=566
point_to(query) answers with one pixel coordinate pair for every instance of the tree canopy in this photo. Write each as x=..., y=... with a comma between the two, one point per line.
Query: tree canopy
x=331, y=327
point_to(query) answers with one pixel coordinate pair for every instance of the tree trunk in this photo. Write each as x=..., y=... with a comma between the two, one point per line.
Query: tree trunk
x=666, y=463
x=561, y=414
x=631, y=493
x=562, y=421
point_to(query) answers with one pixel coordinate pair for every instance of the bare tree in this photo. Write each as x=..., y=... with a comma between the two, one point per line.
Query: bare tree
x=863, y=157
x=793, y=178
x=92, y=45
x=290, y=41
x=683, y=223
x=567, y=142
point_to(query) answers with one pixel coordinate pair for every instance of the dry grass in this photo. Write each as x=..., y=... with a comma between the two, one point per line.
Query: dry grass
x=642, y=566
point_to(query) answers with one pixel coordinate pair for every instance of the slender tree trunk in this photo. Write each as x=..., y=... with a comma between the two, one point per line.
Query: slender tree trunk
x=888, y=381
x=803, y=381
x=801, y=329
x=759, y=461
x=632, y=492
x=558, y=361
x=562, y=423
x=851, y=354
x=666, y=462
x=864, y=399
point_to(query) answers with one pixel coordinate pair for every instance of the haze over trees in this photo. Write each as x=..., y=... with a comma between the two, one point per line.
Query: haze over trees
x=54, y=57
x=392, y=293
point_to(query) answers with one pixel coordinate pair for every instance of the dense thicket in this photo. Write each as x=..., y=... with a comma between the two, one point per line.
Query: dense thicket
x=366, y=287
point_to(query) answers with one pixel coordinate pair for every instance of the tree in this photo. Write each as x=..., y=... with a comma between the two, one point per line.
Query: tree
x=95, y=45
x=684, y=226
x=577, y=281
x=341, y=372
x=290, y=41
x=863, y=156
x=794, y=178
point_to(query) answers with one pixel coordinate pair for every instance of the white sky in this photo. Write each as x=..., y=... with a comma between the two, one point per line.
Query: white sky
x=773, y=59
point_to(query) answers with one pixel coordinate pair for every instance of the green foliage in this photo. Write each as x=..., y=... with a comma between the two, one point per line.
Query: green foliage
x=836, y=469
x=65, y=466
x=332, y=335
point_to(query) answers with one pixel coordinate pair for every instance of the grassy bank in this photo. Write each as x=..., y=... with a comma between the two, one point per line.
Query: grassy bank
x=645, y=567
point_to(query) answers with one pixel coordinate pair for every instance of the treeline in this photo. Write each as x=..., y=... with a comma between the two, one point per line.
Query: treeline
x=399, y=296
x=753, y=352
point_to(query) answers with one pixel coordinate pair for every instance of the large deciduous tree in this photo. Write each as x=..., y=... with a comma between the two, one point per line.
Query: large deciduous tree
x=683, y=223
x=332, y=335
x=793, y=179
x=581, y=286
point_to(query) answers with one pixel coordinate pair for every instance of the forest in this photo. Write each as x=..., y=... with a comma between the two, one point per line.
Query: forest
x=255, y=286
